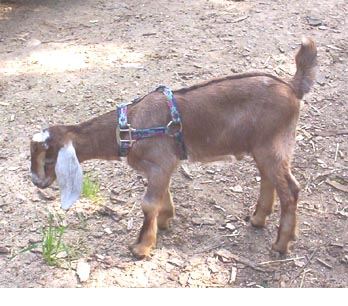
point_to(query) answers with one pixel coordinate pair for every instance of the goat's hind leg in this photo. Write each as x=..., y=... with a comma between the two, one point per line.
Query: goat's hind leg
x=276, y=174
x=288, y=190
x=265, y=202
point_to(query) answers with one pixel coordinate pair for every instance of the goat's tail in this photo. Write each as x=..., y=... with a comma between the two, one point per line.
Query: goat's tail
x=306, y=62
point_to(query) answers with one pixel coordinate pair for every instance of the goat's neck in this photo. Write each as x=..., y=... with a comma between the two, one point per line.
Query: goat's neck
x=96, y=138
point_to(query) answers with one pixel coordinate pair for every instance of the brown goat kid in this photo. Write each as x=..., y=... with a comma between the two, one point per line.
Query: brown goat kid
x=253, y=113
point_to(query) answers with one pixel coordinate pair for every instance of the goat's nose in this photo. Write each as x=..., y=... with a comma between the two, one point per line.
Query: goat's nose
x=38, y=182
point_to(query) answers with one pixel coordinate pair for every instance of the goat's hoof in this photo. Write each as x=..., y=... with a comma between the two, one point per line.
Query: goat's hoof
x=163, y=226
x=280, y=248
x=257, y=222
x=140, y=252
x=294, y=237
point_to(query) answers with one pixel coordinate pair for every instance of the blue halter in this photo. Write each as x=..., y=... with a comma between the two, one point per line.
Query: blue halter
x=137, y=134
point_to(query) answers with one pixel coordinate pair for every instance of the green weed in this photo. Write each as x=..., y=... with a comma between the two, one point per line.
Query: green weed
x=90, y=188
x=52, y=245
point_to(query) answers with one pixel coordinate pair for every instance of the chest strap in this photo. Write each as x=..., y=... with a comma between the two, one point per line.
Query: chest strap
x=172, y=129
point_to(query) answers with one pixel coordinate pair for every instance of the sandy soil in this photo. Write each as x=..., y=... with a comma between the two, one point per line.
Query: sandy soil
x=67, y=61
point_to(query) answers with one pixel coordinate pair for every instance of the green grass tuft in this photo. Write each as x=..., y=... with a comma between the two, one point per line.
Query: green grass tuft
x=90, y=188
x=52, y=245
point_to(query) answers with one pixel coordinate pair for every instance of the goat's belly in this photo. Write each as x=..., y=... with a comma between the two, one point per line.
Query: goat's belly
x=211, y=159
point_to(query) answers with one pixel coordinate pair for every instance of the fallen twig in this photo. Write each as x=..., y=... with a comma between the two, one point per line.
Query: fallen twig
x=240, y=19
x=228, y=255
x=337, y=185
x=303, y=276
x=279, y=261
x=336, y=153
x=330, y=133
x=324, y=263
x=304, y=266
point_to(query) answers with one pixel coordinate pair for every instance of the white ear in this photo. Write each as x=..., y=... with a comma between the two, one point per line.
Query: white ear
x=69, y=176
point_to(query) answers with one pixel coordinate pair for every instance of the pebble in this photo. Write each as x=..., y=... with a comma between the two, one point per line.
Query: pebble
x=237, y=189
x=108, y=230
x=230, y=226
x=312, y=21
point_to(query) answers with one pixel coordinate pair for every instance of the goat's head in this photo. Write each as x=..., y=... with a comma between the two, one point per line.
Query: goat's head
x=53, y=157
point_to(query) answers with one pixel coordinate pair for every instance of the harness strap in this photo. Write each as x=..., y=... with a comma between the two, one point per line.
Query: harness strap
x=137, y=134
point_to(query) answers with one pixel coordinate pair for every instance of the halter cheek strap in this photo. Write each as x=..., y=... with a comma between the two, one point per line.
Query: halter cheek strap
x=136, y=134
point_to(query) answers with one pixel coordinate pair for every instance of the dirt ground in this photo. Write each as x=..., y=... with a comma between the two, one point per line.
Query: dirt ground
x=64, y=61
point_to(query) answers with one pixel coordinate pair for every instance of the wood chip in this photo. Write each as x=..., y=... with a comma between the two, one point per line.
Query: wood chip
x=130, y=224
x=233, y=275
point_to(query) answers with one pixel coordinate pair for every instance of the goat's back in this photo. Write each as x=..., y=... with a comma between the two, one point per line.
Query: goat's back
x=227, y=116
x=233, y=115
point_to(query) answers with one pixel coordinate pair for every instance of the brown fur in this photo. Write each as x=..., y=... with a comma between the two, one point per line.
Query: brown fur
x=254, y=113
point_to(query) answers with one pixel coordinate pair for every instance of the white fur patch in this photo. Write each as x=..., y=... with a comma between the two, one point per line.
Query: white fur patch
x=41, y=137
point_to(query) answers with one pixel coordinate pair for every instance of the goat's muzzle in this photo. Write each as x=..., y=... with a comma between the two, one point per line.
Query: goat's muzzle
x=41, y=183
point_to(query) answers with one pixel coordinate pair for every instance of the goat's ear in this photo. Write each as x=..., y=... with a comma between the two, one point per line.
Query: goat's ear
x=69, y=176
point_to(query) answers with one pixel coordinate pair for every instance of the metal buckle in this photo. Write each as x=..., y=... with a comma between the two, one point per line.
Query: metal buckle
x=170, y=127
x=129, y=131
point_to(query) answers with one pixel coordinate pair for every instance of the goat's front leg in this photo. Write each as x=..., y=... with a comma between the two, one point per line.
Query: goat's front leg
x=167, y=211
x=157, y=191
x=148, y=233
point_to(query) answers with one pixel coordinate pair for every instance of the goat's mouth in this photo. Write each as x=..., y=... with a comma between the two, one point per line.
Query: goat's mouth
x=41, y=183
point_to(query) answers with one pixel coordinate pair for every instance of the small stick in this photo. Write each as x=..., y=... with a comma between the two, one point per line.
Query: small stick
x=240, y=19
x=228, y=255
x=280, y=260
x=132, y=207
x=231, y=235
x=325, y=264
x=305, y=266
x=266, y=61
x=303, y=276
x=337, y=244
x=336, y=153
x=247, y=262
